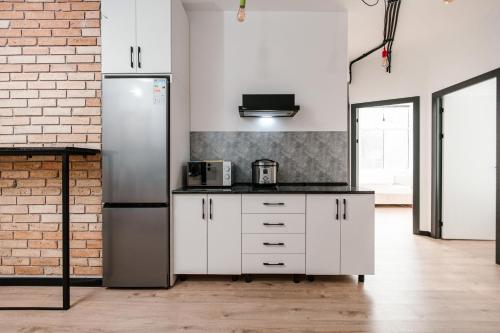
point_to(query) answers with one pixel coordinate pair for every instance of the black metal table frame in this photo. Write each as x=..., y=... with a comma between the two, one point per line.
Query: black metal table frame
x=65, y=153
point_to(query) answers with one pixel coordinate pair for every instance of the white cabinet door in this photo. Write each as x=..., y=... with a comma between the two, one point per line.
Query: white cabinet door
x=154, y=36
x=357, y=235
x=224, y=234
x=323, y=234
x=119, y=51
x=190, y=234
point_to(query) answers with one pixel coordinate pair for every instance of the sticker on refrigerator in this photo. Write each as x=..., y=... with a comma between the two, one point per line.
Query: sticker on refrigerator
x=159, y=91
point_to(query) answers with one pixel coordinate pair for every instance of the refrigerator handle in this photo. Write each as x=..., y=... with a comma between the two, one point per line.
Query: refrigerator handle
x=203, y=208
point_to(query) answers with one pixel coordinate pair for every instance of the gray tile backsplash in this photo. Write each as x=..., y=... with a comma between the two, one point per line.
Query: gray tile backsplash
x=303, y=156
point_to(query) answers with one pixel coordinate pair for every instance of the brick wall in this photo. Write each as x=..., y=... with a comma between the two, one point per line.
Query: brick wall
x=49, y=95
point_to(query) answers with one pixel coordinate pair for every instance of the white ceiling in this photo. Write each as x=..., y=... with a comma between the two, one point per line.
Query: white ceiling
x=267, y=5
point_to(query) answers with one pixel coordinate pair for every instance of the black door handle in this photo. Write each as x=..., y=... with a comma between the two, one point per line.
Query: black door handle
x=203, y=209
x=273, y=244
x=273, y=203
x=139, y=57
x=270, y=264
x=211, y=209
x=345, y=209
x=337, y=214
x=132, y=56
x=273, y=224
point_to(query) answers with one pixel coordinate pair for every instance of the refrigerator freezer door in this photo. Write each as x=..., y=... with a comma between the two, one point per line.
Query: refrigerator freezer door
x=135, y=249
x=135, y=140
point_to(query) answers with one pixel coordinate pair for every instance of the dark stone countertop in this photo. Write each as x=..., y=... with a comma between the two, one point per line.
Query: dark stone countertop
x=280, y=189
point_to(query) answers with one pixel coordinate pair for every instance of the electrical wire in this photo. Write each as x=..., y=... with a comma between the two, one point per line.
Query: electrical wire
x=370, y=4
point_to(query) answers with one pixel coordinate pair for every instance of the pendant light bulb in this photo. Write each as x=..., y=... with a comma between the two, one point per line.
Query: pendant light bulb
x=241, y=11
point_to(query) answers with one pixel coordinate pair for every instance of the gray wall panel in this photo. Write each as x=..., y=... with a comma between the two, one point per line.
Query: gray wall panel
x=303, y=156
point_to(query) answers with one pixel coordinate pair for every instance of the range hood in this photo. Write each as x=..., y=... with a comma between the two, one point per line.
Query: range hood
x=268, y=106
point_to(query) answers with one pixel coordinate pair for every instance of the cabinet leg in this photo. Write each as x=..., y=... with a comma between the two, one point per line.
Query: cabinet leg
x=361, y=278
x=296, y=278
x=248, y=278
x=235, y=278
x=310, y=278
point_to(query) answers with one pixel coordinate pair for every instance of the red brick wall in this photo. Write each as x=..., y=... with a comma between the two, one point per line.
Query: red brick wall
x=49, y=95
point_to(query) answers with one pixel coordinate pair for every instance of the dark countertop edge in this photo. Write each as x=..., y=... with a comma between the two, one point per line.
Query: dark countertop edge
x=315, y=188
x=12, y=151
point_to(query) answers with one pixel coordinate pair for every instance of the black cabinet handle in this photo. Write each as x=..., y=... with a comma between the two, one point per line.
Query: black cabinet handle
x=273, y=203
x=337, y=214
x=267, y=224
x=270, y=264
x=345, y=209
x=139, y=57
x=203, y=209
x=132, y=56
x=211, y=210
x=273, y=244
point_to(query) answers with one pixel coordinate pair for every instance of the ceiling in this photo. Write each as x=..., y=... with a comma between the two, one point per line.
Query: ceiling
x=267, y=5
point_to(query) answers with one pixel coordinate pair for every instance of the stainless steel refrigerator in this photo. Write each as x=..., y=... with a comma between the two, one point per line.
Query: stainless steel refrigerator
x=135, y=148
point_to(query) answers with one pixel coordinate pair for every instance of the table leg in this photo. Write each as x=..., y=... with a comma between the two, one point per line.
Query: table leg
x=65, y=232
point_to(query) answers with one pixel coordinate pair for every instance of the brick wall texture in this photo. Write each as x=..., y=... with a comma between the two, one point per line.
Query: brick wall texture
x=49, y=96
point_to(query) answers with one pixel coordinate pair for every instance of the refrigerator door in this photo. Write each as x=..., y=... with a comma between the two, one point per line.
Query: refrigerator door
x=135, y=252
x=135, y=139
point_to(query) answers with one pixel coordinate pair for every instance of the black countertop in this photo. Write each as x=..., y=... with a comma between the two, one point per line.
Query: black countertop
x=31, y=151
x=281, y=189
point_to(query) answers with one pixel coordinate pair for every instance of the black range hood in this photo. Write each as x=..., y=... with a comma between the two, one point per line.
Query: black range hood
x=268, y=106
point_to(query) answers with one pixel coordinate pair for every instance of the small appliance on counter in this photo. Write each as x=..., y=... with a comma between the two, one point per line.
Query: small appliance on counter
x=209, y=173
x=265, y=172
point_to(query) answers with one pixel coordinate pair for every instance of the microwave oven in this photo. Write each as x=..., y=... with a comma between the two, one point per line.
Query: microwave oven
x=209, y=173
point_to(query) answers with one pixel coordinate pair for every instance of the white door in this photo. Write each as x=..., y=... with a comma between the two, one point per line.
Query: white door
x=190, y=234
x=357, y=234
x=119, y=51
x=224, y=234
x=323, y=234
x=469, y=163
x=154, y=36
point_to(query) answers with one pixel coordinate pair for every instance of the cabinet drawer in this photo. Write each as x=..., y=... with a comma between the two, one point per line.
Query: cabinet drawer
x=274, y=223
x=273, y=264
x=274, y=243
x=274, y=203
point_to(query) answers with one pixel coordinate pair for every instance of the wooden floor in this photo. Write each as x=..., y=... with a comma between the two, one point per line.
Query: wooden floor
x=421, y=285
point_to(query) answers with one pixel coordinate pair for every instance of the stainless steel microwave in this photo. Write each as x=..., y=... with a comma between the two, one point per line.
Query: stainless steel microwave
x=209, y=173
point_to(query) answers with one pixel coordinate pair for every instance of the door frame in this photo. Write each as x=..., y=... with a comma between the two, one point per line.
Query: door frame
x=437, y=153
x=416, y=150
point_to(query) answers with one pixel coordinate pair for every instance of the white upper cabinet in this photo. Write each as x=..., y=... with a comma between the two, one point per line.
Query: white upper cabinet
x=136, y=36
x=153, y=36
x=118, y=36
x=358, y=234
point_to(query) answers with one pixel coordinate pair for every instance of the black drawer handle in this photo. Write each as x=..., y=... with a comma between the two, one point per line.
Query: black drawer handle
x=271, y=264
x=274, y=204
x=267, y=224
x=273, y=244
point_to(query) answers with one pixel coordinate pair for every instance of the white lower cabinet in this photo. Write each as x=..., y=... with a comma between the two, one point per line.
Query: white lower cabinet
x=340, y=234
x=313, y=234
x=207, y=234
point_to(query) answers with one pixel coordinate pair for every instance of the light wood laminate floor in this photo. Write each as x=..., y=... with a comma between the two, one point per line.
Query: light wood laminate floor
x=421, y=285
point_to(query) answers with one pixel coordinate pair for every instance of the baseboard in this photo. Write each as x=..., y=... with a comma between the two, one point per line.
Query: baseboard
x=49, y=281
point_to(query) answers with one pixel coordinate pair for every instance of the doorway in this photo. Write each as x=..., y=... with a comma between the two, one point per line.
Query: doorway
x=465, y=197
x=385, y=153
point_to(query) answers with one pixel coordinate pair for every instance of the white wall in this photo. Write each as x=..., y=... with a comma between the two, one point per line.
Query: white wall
x=436, y=46
x=304, y=53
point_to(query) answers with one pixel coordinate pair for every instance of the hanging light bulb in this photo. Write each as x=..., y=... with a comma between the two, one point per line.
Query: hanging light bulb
x=241, y=11
x=385, y=58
